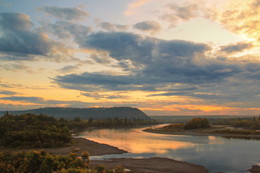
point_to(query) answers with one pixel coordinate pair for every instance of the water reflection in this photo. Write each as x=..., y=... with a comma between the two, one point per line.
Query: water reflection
x=136, y=141
x=215, y=153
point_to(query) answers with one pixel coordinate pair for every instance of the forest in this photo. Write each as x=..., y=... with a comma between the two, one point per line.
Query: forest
x=30, y=131
x=43, y=131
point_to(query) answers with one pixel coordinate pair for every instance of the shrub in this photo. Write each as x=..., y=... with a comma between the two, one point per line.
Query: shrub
x=197, y=123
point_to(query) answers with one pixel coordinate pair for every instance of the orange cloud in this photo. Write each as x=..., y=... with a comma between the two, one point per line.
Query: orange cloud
x=133, y=6
x=242, y=17
x=204, y=108
x=17, y=103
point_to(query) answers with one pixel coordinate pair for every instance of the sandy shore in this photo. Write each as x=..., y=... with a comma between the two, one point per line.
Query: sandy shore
x=152, y=165
x=78, y=146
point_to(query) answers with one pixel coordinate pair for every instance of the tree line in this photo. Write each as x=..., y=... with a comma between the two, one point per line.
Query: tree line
x=43, y=131
x=252, y=123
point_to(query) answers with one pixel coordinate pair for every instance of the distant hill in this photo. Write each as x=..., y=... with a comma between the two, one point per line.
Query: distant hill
x=85, y=113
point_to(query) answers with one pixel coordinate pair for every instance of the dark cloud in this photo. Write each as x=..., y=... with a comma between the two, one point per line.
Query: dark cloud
x=27, y=99
x=17, y=36
x=65, y=13
x=64, y=29
x=18, y=21
x=43, y=102
x=5, y=92
x=233, y=48
x=92, y=79
x=16, y=57
x=150, y=26
x=157, y=63
x=121, y=45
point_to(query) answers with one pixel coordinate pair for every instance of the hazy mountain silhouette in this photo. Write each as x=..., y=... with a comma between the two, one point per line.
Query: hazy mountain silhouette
x=85, y=113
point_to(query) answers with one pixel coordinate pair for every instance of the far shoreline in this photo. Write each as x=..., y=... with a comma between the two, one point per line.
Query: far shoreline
x=203, y=133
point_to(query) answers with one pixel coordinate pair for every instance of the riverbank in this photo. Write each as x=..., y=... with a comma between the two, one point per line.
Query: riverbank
x=201, y=132
x=151, y=165
x=255, y=169
x=78, y=146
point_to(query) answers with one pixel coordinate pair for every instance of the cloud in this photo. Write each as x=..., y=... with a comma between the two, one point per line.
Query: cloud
x=27, y=99
x=17, y=37
x=66, y=30
x=241, y=17
x=66, y=13
x=158, y=63
x=98, y=96
x=131, y=8
x=238, y=16
x=14, y=67
x=21, y=102
x=184, y=12
x=68, y=68
x=167, y=68
x=150, y=26
x=15, y=21
x=112, y=27
x=5, y=56
x=5, y=92
x=234, y=48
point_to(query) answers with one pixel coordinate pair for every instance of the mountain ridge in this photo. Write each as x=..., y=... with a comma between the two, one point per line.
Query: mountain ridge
x=86, y=113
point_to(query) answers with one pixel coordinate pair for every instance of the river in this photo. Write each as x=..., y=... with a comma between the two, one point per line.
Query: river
x=218, y=154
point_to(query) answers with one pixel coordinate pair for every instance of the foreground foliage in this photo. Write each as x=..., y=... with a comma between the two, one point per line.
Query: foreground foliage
x=42, y=162
x=33, y=131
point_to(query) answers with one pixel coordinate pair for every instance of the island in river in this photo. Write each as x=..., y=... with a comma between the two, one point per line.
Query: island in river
x=246, y=129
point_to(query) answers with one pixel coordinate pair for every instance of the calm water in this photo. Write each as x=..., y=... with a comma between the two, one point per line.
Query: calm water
x=215, y=153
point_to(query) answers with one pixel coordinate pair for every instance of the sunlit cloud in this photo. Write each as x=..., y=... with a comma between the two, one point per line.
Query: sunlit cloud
x=135, y=5
x=241, y=17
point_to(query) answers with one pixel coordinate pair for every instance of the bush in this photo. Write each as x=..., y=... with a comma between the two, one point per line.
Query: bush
x=197, y=123
x=40, y=162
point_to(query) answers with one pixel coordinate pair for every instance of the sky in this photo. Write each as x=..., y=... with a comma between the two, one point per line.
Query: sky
x=169, y=57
